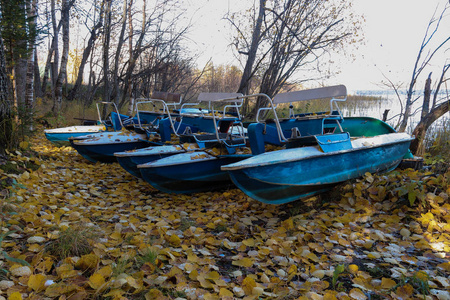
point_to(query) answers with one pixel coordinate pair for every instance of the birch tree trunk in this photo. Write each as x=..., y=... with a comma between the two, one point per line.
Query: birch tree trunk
x=115, y=76
x=106, y=43
x=65, y=15
x=55, y=42
x=6, y=122
x=29, y=90
x=130, y=50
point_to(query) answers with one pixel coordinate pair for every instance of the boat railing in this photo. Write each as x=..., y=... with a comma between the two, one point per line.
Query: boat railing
x=234, y=99
x=154, y=107
x=116, y=123
x=225, y=120
x=153, y=125
x=337, y=93
x=231, y=102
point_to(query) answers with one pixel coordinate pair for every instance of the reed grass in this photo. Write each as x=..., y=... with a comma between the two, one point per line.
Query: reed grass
x=72, y=113
x=437, y=140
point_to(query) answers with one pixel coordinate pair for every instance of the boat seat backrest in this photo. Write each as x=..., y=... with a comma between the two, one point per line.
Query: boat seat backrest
x=146, y=117
x=306, y=127
x=334, y=142
x=260, y=134
x=115, y=121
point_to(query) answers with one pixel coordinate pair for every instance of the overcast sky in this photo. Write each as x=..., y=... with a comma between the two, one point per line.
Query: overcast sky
x=393, y=32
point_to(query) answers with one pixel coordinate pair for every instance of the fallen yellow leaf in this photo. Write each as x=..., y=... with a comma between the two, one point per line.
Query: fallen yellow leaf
x=245, y=262
x=96, y=281
x=248, y=284
x=36, y=282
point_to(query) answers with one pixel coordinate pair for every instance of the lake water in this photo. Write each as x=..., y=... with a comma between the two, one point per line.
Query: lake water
x=387, y=100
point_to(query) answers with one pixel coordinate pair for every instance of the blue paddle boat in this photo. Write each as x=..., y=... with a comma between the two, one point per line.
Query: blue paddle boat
x=61, y=136
x=198, y=128
x=314, y=161
x=199, y=170
x=139, y=134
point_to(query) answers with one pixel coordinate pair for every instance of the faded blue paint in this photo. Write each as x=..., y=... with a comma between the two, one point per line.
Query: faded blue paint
x=307, y=171
x=62, y=138
x=334, y=142
x=130, y=160
x=182, y=174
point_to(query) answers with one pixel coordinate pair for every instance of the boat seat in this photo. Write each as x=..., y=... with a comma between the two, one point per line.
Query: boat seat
x=305, y=127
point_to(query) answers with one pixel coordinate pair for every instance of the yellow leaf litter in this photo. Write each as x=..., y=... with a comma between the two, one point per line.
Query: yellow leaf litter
x=92, y=231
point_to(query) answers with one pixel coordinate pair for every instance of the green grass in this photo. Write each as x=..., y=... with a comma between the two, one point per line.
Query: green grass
x=186, y=223
x=123, y=265
x=74, y=241
x=148, y=255
x=419, y=281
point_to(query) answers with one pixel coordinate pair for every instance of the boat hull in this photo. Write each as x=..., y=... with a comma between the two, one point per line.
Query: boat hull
x=131, y=159
x=60, y=136
x=183, y=174
x=281, y=178
x=101, y=147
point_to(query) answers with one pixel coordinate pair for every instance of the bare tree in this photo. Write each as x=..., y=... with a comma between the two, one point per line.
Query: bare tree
x=6, y=120
x=424, y=56
x=115, y=73
x=289, y=36
x=156, y=34
x=65, y=16
x=52, y=53
x=428, y=118
x=29, y=90
x=249, y=70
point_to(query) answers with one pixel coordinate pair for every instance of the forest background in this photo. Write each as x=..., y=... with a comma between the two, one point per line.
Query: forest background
x=65, y=55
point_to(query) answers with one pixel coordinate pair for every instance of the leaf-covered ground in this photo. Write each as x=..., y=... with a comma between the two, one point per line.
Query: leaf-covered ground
x=92, y=231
